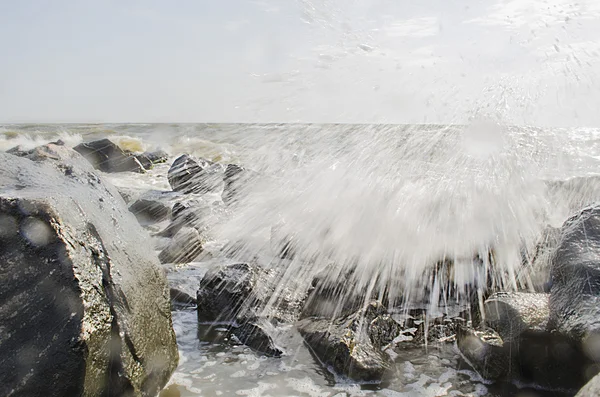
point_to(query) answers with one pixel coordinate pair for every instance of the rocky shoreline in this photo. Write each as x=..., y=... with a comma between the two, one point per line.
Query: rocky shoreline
x=77, y=261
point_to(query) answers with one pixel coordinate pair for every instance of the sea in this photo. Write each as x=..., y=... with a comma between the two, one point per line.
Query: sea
x=388, y=200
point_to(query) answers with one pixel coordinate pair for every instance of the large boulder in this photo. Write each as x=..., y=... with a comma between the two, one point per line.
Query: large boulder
x=236, y=179
x=84, y=306
x=575, y=293
x=106, y=156
x=517, y=344
x=189, y=175
x=185, y=246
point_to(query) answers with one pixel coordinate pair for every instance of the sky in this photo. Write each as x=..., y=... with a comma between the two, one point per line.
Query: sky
x=351, y=61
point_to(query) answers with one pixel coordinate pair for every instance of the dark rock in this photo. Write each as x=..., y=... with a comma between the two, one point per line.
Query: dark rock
x=153, y=206
x=352, y=345
x=106, y=156
x=257, y=339
x=510, y=314
x=225, y=292
x=185, y=247
x=148, y=159
x=236, y=179
x=575, y=293
x=188, y=175
x=518, y=345
x=485, y=352
x=86, y=310
x=180, y=299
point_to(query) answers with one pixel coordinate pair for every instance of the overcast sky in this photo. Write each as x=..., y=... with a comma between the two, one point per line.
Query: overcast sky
x=520, y=61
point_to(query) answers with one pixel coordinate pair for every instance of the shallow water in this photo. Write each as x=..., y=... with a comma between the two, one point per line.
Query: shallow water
x=390, y=200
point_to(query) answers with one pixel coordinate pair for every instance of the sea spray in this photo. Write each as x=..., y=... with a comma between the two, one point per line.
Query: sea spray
x=381, y=208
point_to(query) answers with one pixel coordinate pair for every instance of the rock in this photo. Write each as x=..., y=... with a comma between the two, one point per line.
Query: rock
x=106, y=156
x=185, y=247
x=86, y=311
x=153, y=206
x=352, y=346
x=485, y=352
x=225, y=292
x=518, y=344
x=180, y=299
x=246, y=294
x=512, y=313
x=575, y=293
x=187, y=175
x=592, y=388
x=148, y=159
x=235, y=179
x=257, y=339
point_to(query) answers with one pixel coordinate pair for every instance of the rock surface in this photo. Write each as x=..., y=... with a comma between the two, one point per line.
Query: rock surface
x=575, y=293
x=84, y=306
x=512, y=313
x=106, y=156
x=152, y=207
x=185, y=246
x=188, y=175
x=353, y=345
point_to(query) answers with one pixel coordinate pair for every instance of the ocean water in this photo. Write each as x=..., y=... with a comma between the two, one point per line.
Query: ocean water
x=386, y=201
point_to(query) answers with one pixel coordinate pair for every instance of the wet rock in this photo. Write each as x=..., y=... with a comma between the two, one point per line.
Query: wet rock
x=226, y=294
x=352, y=345
x=180, y=299
x=485, y=352
x=188, y=175
x=236, y=179
x=148, y=159
x=510, y=314
x=237, y=294
x=519, y=339
x=575, y=293
x=86, y=311
x=106, y=156
x=185, y=246
x=153, y=206
x=257, y=339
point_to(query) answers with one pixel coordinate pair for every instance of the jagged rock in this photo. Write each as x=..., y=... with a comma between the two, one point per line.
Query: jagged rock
x=256, y=338
x=352, y=345
x=485, y=352
x=185, y=246
x=188, y=175
x=148, y=159
x=236, y=179
x=106, y=156
x=153, y=206
x=245, y=294
x=519, y=345
x=575, y=293
x=86, y=311
x=180, y=299
x=512, y=313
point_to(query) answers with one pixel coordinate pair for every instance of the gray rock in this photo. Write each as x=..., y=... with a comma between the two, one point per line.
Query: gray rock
x=256, y=338
x=188, y=175
x=591, y=389
x=84, y=307
x=236, y=179
x=106, y=156
x=352, y=345
x=181, y=299
x=575, y=293
x=512, y=313
x=485, y=352
x=148, y=159
x=185, y=246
